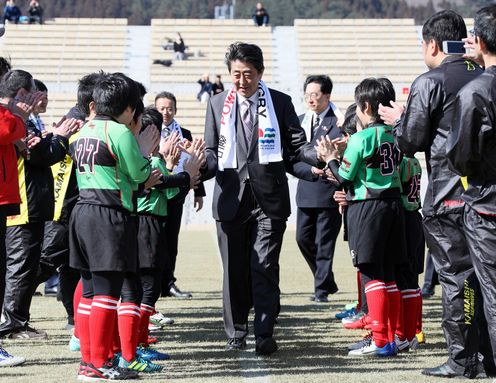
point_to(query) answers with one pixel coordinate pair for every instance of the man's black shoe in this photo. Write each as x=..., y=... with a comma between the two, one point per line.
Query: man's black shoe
x=442, y=371
x=427, y=292
x=51, y=291
x=321, y=299
x=265, y=346
x=235, y=344
x=176, y=293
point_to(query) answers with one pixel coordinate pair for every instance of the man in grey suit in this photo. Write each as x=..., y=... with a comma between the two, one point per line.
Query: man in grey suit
x=251, y=195
x=318, y=219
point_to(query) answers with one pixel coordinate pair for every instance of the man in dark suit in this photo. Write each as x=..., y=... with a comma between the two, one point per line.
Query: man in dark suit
x=318, y=220
x=251, y=195
x=166, y=104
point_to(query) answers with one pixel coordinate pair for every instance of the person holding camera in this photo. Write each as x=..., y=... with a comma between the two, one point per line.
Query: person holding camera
x=422, y=126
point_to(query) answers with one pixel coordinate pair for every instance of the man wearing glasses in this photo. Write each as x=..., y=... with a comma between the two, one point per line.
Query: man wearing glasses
x=318, y=220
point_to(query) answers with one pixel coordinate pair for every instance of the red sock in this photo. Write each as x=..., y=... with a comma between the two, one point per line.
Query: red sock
x=102, y=322
x=78, y=293
x=359, y=285
x=419, y=311
x=377, y=299
x=146, y=313
x=409, y=308
x=83, y=313
x=394, y=312
x=129, y=319
x=116, y=342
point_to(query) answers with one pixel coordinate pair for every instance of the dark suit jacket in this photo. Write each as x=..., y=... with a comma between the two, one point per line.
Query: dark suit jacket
x=200, y=190
x=268, y=182
x=314, y=191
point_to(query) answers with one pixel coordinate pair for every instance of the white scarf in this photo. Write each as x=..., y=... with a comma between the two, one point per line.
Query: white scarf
x=174, y=127
x=269, y=136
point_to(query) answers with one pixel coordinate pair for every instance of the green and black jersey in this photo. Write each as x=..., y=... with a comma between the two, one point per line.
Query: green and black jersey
x=370, y=163
x=410, y=173
x=109, y=164
x=154, y=201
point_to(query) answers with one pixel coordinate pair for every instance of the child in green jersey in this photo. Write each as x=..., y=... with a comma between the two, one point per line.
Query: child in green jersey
x=369, y=169
x=110, y=164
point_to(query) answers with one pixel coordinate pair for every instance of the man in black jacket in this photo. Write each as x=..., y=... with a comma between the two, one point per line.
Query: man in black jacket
x=166, y=104
x=25, y=232
x=249, y=131
x=423, y=127
x=471, y=153
x=318, y=220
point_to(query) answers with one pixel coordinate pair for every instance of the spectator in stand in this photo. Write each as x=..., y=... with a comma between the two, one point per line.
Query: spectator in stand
x=205, y=88
x=11, y=12
x=218, y=86
x=261, y=16
x=25, y=231
x=35, y=12
x=179, y=48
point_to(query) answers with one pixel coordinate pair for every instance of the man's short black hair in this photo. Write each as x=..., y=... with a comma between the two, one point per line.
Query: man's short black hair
x=485, y=27
x=374, y=91
x=167, y=95
x=444, y=26
x=151, y=116
x=85, y=91
x=350, y=120
x=248, y=53
x=5, y=65
x=141, y=89
x=113, y=93
x=13, y=81
x=324, y=81
x=40, y=87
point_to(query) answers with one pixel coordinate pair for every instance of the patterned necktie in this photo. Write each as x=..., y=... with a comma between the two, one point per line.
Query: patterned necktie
x=247, y=119
x=315, y=125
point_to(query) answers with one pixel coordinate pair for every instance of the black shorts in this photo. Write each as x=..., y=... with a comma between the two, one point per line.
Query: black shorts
x=415, y=242
x=376, y=232
x=102, y=239
x=151, y=242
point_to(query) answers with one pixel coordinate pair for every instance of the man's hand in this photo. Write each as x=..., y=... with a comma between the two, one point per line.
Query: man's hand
x=340, y=144
x=169, y=143
x=326, y=150
x=67, y=127
x=154, y=179
x=148, y=140
x=317, y=172
x=198, y=203
x=173, y=157
x=24, y=105
x=330, y=176
x=473, y=51
x=390, y=114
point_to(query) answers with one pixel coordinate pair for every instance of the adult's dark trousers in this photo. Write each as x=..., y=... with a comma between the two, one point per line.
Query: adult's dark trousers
x=316, y=233
x=172, y=228
x=23, y=244
x=3, y=257
x=430, y=273
x=480, y=231
x=250, y=245
x=445, y=237
x=55, y=258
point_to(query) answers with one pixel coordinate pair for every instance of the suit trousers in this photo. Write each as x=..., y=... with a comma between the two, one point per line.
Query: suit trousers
x=447, y=242
x=250, y=245
x=316, y=233
x=172, y=228
x=23, y=256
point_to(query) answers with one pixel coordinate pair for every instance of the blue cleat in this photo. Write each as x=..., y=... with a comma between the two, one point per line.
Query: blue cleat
x=149, y=353
x=74, y=344
x=346, y=313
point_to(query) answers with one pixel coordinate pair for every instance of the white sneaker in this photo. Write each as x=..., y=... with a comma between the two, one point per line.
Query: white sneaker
x=414, y=344
x=402, y=345
x=366, y=350
x=154, y=328
x=7, y=360
x=160, y=319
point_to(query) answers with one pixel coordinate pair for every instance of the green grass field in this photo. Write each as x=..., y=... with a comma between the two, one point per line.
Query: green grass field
x=312, y=344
